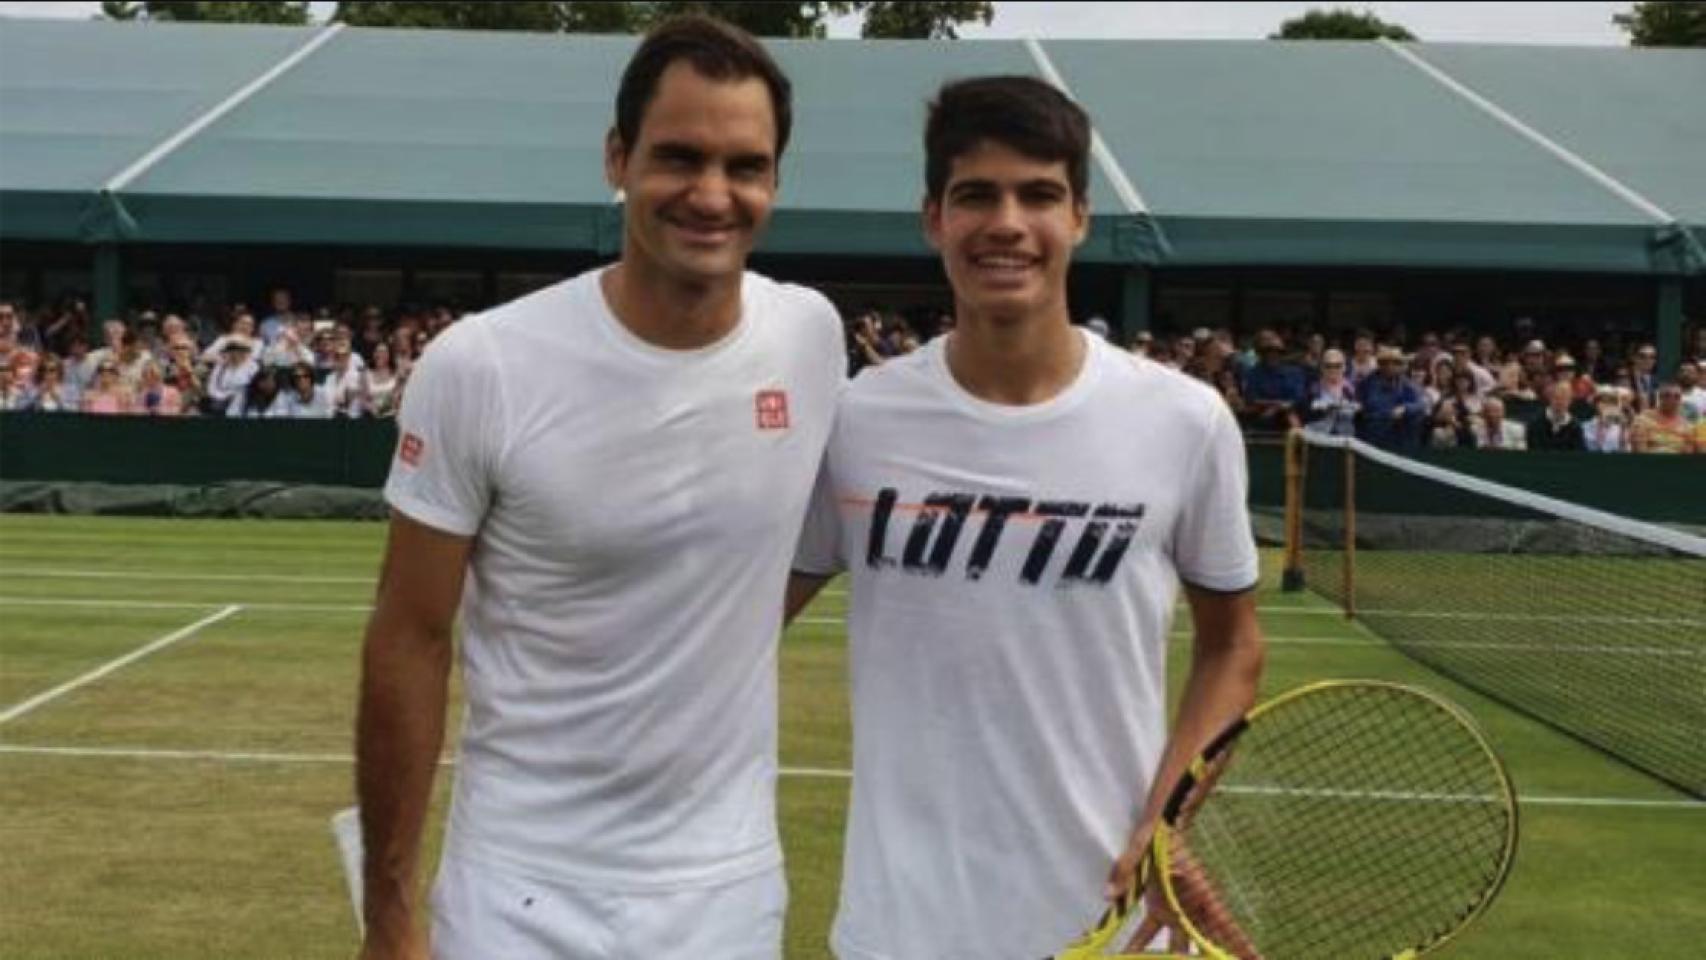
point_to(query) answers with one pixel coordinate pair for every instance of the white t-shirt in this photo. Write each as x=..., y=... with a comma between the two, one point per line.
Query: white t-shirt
x=634, y=511
x=290, y=404
x=1014, y=572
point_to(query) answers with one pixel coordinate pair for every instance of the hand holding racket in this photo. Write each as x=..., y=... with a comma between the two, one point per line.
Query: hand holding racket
x=1345, y=820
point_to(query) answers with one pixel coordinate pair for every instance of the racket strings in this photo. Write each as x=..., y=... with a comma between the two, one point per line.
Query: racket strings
x=1351, y=822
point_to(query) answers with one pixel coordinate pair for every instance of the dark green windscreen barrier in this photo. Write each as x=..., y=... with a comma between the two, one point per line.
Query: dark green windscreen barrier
x=194, y=451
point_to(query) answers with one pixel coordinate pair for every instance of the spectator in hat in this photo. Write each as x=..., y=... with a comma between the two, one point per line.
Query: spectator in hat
x=1393, y=408
x=1555, y=427
x=1497, y=433
x=1097, y=326
x=230, y=378
x=1273, y=388
x=1608, y=430
x=1141, y=342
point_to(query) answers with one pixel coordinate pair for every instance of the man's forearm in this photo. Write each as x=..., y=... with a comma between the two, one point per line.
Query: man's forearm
x=1222, y=684
x=399, y=733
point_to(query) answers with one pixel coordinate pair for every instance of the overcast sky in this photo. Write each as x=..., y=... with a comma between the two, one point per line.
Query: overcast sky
x=1573, y=23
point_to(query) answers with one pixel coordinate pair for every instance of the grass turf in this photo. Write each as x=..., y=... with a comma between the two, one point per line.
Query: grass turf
x=182, y=811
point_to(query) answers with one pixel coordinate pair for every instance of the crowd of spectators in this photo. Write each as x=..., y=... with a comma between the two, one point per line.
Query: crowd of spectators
x=290, y=363
x=1456, y=389
x=1460, y=388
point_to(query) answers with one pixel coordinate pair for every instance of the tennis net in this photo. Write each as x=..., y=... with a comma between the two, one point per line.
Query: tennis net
x=1590, y=622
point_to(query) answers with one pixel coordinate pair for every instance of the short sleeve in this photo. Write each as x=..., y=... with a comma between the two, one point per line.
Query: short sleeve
x=819, y=553
x=449, y=434
x=1213, y=546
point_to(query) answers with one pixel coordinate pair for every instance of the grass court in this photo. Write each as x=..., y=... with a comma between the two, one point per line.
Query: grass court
x=176, y=711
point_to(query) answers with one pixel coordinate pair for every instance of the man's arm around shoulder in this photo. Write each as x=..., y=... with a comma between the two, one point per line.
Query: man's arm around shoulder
x=400, y=723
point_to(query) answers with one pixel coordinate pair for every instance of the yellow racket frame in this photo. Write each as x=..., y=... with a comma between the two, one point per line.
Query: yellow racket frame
x=1091, y=945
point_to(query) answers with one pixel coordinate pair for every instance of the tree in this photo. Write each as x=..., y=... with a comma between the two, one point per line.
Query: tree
x=923, y=20
x=598, y=17
x=1340, y=25
x=758, y=17
x=535, y=16
x=263, y=11
x=765, y=19
x=1672, y=24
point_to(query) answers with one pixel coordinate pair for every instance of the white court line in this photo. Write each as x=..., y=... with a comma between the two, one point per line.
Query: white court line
x=819, y=621
x=186, y=575
x=1273, y=640
x=795, y=773
x=178, y=604
x=1284, y=610
x=38, y=700
x=1536, y=617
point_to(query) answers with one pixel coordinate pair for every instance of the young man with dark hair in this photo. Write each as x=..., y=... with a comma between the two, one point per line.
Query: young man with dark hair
x=609, y=475
x=1016, y=504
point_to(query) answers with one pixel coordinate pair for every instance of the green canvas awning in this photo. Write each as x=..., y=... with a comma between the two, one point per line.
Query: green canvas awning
x=1259, y=153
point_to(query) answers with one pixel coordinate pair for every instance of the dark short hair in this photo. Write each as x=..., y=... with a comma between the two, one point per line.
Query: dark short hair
x=718, y=51
x=1023, y=113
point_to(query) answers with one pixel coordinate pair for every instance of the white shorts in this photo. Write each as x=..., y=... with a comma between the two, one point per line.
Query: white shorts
x=481, y=912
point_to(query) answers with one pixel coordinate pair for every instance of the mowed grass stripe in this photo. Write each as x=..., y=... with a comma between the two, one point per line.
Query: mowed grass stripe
x=42, y=699
x=785, y=771
x=41, y=647
x=269, y=855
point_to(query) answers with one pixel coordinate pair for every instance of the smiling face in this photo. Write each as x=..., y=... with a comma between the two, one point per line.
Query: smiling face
x=1006, y=224
x=700, y=180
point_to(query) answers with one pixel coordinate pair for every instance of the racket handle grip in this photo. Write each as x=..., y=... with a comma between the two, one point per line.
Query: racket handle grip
x=1188, y=782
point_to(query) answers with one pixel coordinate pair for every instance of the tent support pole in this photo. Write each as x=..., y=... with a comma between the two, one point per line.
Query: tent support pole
x=109, y=290
x=1667, y=326
x=1135, y=289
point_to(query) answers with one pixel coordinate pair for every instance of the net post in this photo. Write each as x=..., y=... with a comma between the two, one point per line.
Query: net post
x=1350, y=532
x=1291, y=580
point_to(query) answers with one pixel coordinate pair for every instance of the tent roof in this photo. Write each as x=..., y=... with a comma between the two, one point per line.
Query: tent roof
x=1239, y=152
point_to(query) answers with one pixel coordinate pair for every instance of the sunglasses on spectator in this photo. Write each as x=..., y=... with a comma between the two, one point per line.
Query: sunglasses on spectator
x=1647, y=355
x=1332, y=366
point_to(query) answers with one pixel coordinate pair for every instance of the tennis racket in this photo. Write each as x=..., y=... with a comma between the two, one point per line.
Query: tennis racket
x=1343, y=820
